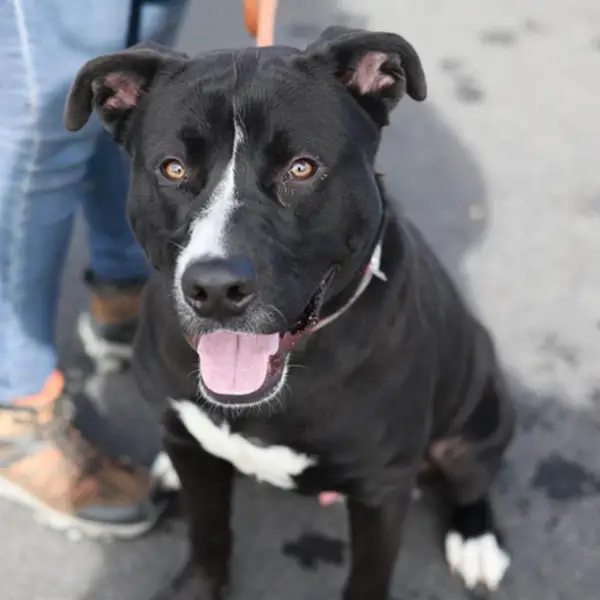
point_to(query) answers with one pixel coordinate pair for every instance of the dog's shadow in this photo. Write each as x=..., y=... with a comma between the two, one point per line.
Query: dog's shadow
x=289, y=547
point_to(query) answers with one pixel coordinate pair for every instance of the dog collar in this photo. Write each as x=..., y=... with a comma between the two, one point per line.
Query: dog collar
x=372, y=270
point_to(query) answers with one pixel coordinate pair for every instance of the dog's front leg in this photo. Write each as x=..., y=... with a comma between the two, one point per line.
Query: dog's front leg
x=206, y=493
x=375, y=535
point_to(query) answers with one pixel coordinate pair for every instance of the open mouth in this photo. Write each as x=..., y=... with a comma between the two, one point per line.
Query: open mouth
x=247, y=368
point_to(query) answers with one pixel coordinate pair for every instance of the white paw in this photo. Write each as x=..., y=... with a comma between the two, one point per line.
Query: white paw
x=478, y=561
x=162, y=470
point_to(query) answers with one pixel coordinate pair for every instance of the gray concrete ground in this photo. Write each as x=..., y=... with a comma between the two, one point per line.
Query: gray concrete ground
x=500, y=167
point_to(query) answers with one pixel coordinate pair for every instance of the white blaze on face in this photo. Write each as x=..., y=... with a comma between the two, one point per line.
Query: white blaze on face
x=230, y=363
x=208, y=231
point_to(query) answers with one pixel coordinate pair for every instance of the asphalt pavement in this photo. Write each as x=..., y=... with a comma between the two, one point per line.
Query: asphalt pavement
x=500, y=167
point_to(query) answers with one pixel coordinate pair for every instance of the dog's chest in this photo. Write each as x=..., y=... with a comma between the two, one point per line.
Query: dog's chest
x=277, y=465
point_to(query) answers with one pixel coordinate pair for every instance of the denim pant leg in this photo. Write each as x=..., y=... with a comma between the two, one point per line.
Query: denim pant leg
x=44, y=169
x=114, y=254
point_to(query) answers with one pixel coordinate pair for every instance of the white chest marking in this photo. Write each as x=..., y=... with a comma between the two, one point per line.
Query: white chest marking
x=276, y=465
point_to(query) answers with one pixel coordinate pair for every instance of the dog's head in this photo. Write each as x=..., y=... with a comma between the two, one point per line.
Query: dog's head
x=253, y=184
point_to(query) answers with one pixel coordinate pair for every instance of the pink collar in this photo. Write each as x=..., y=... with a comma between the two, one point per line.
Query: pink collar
x=373, y=269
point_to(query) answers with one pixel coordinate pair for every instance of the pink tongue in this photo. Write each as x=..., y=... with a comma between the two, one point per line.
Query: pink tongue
x=235, y=363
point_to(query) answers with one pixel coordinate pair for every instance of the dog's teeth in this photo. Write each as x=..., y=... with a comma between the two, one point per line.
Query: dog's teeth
x=478, y=561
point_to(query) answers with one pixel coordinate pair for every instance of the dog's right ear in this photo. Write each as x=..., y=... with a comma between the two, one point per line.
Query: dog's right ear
x=113, y=85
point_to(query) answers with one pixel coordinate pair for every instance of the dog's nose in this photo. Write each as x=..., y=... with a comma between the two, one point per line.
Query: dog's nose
x=219, y=287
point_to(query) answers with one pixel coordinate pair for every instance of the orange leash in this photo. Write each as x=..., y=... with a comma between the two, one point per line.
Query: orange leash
x=259, y=19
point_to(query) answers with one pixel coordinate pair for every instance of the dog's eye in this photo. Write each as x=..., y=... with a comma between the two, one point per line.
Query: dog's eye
x=302, y=169
x=173, y=170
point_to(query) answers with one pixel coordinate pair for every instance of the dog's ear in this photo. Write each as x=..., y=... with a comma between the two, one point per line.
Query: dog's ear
x=378, y=68
x=113, y=85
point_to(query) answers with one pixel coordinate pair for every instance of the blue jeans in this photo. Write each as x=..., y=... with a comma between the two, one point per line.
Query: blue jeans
x=46, y=174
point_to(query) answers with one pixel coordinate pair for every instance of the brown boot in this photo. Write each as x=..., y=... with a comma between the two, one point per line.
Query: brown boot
x=107, y=329
x=46, y=465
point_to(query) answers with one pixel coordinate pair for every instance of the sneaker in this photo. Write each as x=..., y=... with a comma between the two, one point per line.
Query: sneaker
x=107, y=328
x=46, y=465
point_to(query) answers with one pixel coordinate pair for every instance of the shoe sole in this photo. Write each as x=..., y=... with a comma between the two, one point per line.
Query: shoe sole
x=108, y=356
x=72, y=525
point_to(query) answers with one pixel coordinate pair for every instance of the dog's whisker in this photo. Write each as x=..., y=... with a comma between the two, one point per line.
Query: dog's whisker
x=177, y=245
x=291, y=366
x=271, y=308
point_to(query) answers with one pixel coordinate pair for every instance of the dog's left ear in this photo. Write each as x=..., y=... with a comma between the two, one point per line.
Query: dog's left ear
x=378, y=68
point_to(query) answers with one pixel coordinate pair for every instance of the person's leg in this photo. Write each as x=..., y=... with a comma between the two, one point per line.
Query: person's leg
x=117, y=264
x=44, y=463
x=114, y=253
x=117, y=268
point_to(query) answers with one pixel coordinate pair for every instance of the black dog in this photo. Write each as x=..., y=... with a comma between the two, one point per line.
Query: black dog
x=334, y=353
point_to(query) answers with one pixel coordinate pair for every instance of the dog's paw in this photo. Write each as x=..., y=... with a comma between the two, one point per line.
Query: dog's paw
x=479, y=561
